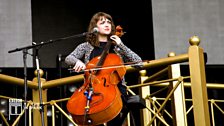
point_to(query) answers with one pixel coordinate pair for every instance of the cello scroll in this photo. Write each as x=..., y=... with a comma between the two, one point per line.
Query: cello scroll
x=119, y=31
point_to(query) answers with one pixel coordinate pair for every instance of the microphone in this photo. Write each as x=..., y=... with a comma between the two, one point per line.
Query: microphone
x=95, y=30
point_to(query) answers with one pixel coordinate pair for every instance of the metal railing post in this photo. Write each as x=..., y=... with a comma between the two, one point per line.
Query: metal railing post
x=198, y=83
x=178, y=99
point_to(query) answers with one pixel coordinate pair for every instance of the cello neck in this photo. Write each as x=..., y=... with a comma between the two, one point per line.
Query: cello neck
x=104, y=53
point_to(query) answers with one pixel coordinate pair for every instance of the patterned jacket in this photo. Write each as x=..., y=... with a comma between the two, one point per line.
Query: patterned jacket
x=84, y=50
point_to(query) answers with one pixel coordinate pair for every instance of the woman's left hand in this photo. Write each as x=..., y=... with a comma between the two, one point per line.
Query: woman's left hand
x=116, y=39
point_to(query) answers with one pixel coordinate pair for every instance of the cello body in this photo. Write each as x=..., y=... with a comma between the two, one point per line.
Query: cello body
x=98, y=100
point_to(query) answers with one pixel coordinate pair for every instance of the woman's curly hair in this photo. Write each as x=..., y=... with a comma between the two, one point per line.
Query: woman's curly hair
x=92, y=38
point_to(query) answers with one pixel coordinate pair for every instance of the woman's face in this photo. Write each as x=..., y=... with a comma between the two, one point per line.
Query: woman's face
x=104, y=26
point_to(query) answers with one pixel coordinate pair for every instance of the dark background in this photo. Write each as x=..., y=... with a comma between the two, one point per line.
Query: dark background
x=53, y=19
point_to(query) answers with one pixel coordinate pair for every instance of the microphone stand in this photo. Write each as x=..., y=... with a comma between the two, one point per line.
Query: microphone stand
x=25, y=52
x=39, y=87
x=25, y=84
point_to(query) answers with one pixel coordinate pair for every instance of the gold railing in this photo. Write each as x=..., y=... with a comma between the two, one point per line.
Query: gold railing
x=197, y=77
x=149, y=120
x=214, y=104
x=195, y=58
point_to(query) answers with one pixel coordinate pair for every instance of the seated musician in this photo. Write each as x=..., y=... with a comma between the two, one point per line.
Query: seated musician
x=102, y=30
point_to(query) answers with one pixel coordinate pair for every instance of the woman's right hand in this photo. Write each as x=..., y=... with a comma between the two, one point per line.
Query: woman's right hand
x=79, y=65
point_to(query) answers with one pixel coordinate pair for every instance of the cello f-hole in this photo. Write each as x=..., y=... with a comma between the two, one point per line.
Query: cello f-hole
x=104, y=82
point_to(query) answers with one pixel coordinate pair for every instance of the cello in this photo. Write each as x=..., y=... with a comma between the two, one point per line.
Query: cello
x=98, y=100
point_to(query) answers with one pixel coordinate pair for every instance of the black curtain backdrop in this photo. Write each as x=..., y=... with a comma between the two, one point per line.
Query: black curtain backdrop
x=53, y=19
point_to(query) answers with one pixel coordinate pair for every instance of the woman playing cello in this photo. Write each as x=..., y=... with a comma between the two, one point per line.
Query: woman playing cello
x=101, y=31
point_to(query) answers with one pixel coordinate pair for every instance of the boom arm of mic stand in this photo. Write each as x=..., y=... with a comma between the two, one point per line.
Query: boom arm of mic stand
x=48, y=42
